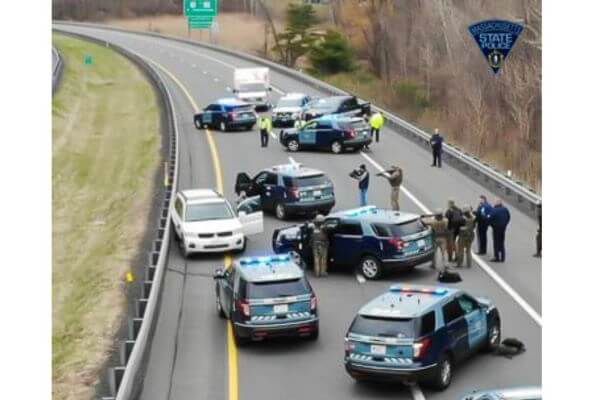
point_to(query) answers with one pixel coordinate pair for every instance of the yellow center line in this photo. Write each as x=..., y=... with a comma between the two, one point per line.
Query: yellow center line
x=232, y=355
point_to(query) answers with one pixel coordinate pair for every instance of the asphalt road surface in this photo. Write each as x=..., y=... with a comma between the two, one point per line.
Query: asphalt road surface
x=189, y=353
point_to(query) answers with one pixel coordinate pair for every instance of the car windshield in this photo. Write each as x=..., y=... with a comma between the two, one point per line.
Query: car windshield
x=314, y=180
x=371, y=326
x=207, y=211
x=325, y=104
x=290, y=102
x=266, y=290
x=252, y=87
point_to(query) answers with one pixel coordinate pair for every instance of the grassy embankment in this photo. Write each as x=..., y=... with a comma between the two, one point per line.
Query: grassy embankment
x=106, y=148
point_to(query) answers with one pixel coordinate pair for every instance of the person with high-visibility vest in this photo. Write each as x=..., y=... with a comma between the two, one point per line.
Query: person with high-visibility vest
x=266, y=126
x=376, y=122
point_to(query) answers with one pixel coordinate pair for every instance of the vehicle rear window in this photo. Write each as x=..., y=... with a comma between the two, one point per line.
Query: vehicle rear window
x=428, y=323
x=357, y=125
x=241, y=109
x=399, y=230
x=266, y=290
x=303, y=181
x=371, y=326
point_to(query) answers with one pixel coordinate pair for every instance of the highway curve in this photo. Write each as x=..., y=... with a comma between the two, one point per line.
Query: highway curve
x=189, y=355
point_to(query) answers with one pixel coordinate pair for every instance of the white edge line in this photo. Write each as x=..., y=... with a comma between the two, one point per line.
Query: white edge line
x=416, y=392
x=482, y=264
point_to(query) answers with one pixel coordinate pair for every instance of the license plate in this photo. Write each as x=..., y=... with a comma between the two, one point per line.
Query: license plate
x=280, y=308
x=377, y=349
x=317, y=193
x=421, y=243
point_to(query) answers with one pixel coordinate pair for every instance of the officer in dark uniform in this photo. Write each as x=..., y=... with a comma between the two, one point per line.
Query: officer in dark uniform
x=481, y=218
x=454, y=216
x=499, y=219
x=538, y=236
x=436, y=141
x=466, y=235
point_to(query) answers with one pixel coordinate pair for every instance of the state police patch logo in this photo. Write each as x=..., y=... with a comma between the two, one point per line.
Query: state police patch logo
x=495, y=38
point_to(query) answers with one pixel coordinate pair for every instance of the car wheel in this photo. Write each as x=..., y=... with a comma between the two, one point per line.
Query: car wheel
x=280, y=211
x=293, y=145
x=336, y=147
x=443, y=374
x=239, y=341
x=314, y=335
x=183, y=249
x=219, y=307
x=371, y=268
x=174, y=234
x=198, y=125
x=223, y=126
x=493, y=338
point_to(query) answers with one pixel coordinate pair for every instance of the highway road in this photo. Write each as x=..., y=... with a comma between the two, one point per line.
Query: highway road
x=189, y=356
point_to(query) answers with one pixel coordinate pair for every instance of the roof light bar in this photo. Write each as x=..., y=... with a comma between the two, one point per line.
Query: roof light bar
x=248, y=261
x=408, y=289
x=361, y=211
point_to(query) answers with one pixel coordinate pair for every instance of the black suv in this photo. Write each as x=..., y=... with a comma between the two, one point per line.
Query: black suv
x=347, y=105
x=289, y=189
x=267, y=297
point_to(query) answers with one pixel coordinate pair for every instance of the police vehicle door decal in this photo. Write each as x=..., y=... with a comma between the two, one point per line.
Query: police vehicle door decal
x=476, y=321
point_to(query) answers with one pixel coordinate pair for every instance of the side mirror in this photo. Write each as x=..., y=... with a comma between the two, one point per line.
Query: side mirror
x=219, y=274
x=235, y=91
x=270, y=89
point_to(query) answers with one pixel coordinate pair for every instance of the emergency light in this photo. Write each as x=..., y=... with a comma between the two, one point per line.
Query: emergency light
x=264, y=260
x=361, y=211
x=408, y=289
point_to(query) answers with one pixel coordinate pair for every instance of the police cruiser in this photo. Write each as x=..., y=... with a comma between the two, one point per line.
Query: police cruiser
x=203, y=221
x=289, y=189
x=371, y=238
x=267, y=297
x=415, y=333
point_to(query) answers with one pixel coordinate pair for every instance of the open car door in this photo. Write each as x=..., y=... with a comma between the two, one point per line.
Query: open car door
x=251, y=216
x=242, y=183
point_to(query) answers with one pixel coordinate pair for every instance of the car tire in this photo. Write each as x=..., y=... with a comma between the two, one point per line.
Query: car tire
x=198, y=124
x=313, y=336
x=239, y=341
x=174, y=234
x=336, y=147
x=182, y=249
x=443, y=374
x=223, y=126
x=493, y=338
x=280, y=212
x=293, y=145
x=370, y=267
x=220, y=311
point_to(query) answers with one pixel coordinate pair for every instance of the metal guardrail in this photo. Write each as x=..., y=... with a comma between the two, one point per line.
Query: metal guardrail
x=519, y=194
x=125, y=381
x=57, y=70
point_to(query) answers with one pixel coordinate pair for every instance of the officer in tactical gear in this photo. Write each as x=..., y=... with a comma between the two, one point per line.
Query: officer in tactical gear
x=466, y=235
x=453, y=214
x=441, y=234
x=394, y=176
x=320, y=246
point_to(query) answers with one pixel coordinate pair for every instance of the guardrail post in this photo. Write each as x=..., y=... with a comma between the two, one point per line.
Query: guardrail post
x=150, y=271
x=134, y=327
x=141, y=307
x=146, y=287
x=115, y=375
x=125, y=350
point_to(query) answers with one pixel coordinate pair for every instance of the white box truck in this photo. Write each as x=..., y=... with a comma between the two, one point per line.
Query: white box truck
x=252, y=86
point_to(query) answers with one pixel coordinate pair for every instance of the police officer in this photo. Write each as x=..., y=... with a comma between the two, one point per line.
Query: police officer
x=362, y=176
x=538, y=236
x=439, y=225
x=465, y=238
x=320, y=246
x=453, y=214
x=376, y=122
x=265, y=125
x=394, y=176
x=481, y=218
x=436, y=143
x=499, y=219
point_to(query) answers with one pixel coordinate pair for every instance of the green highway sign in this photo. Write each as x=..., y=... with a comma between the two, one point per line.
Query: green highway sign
x=88, y=59
x=200, y=25
x=200, y=21
x=200, y=7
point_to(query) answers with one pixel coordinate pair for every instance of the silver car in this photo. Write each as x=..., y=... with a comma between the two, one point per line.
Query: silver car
x=518, y=393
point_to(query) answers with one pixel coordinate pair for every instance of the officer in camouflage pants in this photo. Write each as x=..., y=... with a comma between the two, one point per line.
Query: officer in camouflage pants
x=320, y=246
x=441, y=234
x=465, y=238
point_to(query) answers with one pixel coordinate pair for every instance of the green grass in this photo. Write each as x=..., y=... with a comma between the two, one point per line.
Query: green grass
x=106, y=148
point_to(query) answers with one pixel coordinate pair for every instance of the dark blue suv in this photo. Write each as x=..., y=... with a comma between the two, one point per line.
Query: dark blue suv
x=330, y=132
x=415, y=333
x=226, y=114
x=267, y=297
x=289, y=189
x=368, y=237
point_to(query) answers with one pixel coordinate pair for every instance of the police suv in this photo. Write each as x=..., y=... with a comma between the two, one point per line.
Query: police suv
x=289, y=189
x=226, y=114
x=371, y=238
x=289, y=109
x=203, y=221
x=267, y=297
x=416, y=333
x=332, y=133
